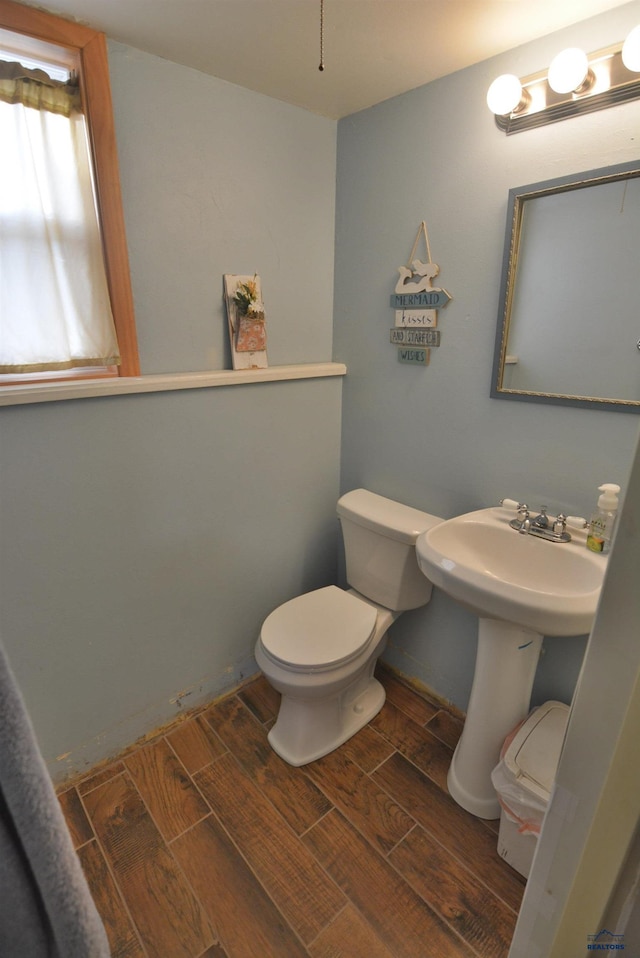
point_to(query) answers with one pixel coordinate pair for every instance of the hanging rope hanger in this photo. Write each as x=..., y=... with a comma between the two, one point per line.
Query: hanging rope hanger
x=321, y=67
x=422, y=231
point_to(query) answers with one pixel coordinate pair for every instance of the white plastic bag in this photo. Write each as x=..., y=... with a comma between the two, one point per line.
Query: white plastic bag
x=519, y=804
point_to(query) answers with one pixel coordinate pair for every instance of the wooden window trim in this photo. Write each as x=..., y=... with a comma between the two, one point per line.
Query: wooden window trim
x=91, y=47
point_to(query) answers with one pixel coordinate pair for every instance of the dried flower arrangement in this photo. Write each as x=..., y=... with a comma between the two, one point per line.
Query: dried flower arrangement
x=247, y=321
x=247, y=299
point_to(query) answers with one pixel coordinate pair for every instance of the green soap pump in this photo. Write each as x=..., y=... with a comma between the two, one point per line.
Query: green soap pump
x=603, y=519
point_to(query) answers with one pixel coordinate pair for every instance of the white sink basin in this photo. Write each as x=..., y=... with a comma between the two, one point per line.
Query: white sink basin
x=549, y=587
x=522, y=588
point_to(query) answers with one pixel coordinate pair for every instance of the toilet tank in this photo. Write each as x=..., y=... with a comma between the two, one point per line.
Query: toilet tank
x=379, y=542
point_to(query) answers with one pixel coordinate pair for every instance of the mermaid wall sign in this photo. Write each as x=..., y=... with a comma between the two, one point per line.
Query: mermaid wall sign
x=416, y=302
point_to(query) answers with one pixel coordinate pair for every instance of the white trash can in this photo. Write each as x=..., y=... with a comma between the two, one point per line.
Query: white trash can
x=523, y=780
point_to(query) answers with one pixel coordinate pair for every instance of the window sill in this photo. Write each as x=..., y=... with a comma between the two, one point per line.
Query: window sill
x=127, y=385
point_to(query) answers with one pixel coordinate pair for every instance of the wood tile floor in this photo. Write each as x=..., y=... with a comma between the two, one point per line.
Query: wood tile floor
x=202, y=843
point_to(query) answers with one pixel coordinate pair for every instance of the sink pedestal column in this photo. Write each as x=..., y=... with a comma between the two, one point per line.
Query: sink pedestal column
x=506, y=664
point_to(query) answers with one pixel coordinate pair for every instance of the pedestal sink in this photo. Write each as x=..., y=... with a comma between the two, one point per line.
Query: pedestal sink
x=522, y=588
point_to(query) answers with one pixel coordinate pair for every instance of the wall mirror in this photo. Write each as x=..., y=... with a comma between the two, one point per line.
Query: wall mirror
x=569, y=317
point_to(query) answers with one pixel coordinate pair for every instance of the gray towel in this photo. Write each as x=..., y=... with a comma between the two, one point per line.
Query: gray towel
x=46, y=910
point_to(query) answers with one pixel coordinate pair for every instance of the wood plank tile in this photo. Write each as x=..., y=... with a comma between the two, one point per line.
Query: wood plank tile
x=367, y=748
x=75, y=817
x=167, y=790
x=295, y=882
x=93, y=781
x=422, y=748
x=195, y=743
x=460, y=833
x=261, y=699
x=449, y=861
x=297, y=799
x=122, y=937
x=409, y=702
x=170, y=921
x=245, y=919
x=484, y=921
x=349, y=936
x=397, y=914
x=361, y=800
x=493, y=824
x=446, y=727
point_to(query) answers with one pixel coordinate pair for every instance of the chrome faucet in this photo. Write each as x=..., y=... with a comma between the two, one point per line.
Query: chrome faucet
x=542, y=526
x=523, y=521
x=541, y=521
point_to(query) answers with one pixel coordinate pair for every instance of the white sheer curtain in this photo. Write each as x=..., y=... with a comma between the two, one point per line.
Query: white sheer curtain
x=55, y=311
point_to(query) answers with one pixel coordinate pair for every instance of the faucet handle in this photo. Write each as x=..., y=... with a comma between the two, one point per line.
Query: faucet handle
x=510, y=504
x=559, y=524
x=576, y=522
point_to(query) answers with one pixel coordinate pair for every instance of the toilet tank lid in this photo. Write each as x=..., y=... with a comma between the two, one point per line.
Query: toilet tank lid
x=385, y=516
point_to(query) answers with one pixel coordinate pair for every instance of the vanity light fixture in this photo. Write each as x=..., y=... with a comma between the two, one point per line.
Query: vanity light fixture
x=631, y=50
x=569, y=72
x=575, y=83
x=505, y=95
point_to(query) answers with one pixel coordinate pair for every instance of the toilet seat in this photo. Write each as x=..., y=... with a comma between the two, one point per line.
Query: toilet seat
x=318, y=631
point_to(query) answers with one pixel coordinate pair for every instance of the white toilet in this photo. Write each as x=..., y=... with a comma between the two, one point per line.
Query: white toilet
x=320, y=649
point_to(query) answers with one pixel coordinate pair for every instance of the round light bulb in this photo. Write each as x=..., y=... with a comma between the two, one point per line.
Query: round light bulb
x=568, y=70
x=504, y=94
x=631, y=51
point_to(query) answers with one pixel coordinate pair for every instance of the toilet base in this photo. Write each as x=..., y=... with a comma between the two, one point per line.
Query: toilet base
x=308, y=729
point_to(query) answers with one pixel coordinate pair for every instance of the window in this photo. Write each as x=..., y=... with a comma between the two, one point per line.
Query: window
x=68, y=124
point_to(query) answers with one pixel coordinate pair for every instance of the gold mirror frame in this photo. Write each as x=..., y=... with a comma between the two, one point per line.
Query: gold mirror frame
x=518, y=198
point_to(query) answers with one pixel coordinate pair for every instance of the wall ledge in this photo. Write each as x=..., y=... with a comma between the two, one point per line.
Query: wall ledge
x=162, y=382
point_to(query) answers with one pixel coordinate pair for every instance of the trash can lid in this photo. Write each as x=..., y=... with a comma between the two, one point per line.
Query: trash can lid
x=533, y=755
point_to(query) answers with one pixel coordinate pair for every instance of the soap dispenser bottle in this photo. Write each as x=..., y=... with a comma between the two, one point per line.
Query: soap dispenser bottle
x=603, y=519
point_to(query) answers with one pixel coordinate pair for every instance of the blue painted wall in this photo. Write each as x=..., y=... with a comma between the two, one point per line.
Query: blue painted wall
x=144, y=538
x=433, y=437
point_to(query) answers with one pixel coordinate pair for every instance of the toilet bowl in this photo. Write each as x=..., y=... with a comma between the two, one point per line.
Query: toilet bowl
x=320, y=649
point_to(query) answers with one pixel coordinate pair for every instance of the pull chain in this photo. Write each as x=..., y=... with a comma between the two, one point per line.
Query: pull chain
x=321, y=67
